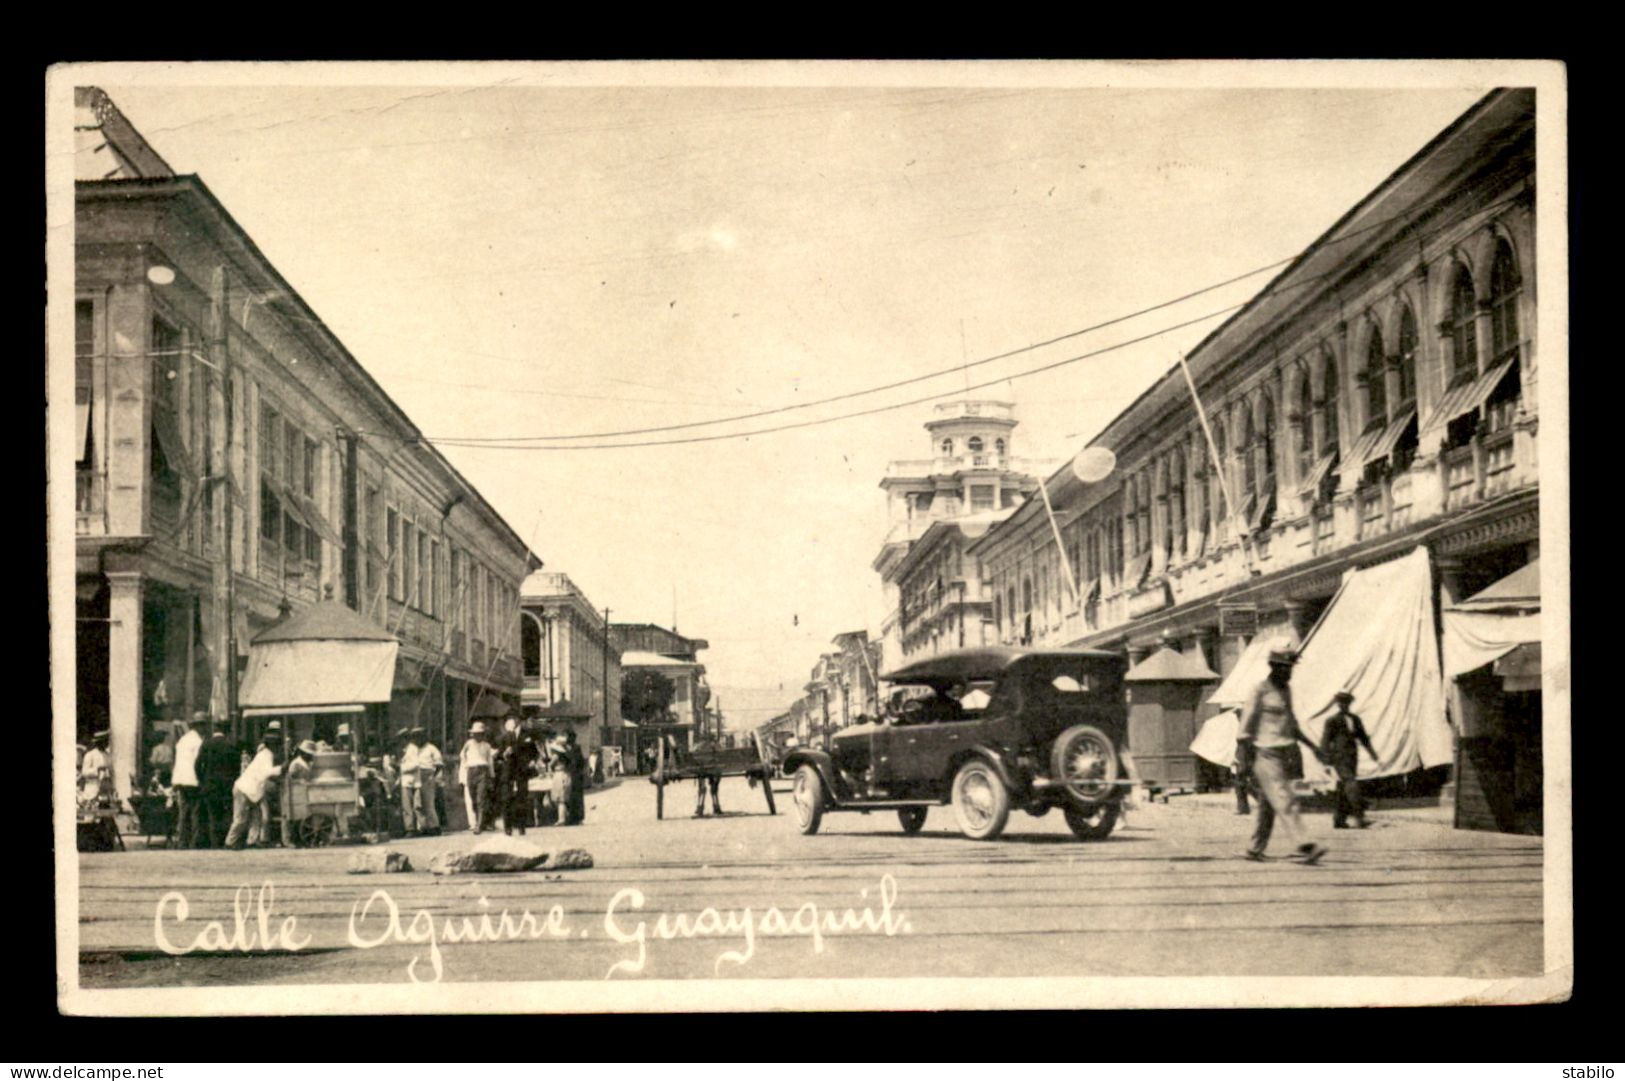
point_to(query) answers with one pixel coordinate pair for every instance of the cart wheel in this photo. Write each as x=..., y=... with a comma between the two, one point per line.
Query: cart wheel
x=314, y=831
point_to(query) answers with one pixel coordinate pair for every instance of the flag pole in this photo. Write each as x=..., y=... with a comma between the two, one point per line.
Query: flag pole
x=1218, y=466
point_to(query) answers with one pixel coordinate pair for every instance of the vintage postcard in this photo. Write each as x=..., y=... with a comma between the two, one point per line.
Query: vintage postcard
x=732, y=536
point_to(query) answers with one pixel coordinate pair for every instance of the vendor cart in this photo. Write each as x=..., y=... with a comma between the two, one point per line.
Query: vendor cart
x=320, y=806
x=98, y=810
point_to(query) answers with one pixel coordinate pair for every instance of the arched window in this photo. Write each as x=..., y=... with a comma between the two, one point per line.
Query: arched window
x=998, y=446
x=1375, y=377
x=1176, y=502
x=998, y=615
x=1406, y=357
x=975, y=444
x=1504, y=288
x=1463, y=327
x=1267, y=442
x=948, y=448
x=1249, y=468
x=530, y=646
x=1329, y=444
x=1026, y=594
x=1306, y=427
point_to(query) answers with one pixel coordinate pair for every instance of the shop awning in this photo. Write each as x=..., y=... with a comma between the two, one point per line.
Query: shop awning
x=313, y=519
x=292, y=675
x=81, y=417
x=1251, y=667
x=1317, y=472
x=1216, y=742
x=276, y=711
x=1491, y=624
x=168, y=434
x=1465, y=397
x=1376, y=641
x=1138, y=567
x=1406, y=418
x=1363, y=452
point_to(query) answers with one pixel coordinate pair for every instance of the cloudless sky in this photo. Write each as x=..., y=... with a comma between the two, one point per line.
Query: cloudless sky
x=519, y=260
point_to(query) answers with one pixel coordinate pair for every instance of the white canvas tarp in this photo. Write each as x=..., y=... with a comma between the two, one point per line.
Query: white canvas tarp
x=1473, y=639
x=1377, y=641
x=1216, y=742
x=1251, y=667
x=330, y=672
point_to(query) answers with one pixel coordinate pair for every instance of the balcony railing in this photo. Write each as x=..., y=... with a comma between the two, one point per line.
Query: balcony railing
x=1498, y=464
x=1323, y=526
x=1399, y=496
x=1368, y=504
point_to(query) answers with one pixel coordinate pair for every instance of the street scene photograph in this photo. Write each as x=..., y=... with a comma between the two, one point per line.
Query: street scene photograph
x=881, y=535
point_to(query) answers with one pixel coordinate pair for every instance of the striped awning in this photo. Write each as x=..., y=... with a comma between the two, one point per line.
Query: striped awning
x=1405, y=418
x=1362, y=452
x=1466, y=396
x=1322, y=466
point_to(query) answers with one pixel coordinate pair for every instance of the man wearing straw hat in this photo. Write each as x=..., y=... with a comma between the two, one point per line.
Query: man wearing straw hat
x=1267, y=747
x=429, y=766
x=474, y=774
x=411, y=784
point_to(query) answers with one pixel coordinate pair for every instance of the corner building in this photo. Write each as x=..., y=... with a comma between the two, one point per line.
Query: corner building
x=1379, y=396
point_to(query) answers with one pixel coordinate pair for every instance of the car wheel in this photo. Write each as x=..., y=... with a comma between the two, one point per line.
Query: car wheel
x=912, y=818
x=808, y=793
x=981, y=802
x=1084, y=762
x=1093, y=824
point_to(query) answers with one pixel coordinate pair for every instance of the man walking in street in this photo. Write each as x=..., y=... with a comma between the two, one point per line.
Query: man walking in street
x=516, y=762
x=1267, y=747
x=184, y=781
x=216, y=770
x=578, y=779
x=411, y=784
x=430, y=763
x=248, y=796
x=1340, y=741
x=474, y=773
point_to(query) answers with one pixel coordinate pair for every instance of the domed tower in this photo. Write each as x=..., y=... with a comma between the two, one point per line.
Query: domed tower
x=972, y=474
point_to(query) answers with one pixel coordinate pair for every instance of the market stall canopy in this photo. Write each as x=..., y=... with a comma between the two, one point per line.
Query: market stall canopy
x=1491, y=624
x=325, y=655
x=1168, y=665
x=1376, y=642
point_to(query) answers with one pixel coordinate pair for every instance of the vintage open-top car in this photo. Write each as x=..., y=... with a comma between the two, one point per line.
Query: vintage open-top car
x=986, y=730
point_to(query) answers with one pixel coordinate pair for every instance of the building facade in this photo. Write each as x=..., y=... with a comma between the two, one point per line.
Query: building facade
x=972, y=473
x=943, y=601
x=235, y=462
x=570, y=663
x=646, y=646
x=1378, y=396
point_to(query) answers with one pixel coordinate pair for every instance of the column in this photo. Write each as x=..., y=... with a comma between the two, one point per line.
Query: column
x=124, y=675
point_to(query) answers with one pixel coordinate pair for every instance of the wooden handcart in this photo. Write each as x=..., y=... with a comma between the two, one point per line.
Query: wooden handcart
x=698, y=765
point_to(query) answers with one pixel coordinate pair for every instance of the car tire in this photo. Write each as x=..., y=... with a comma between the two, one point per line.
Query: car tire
x=1084, y=762
x=981, y=801
x=808, y=793
x=912, y=818
x=1094, y=824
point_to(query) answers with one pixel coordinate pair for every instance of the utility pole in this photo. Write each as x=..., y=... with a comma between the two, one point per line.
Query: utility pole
x=606, y=669
x=220, y=474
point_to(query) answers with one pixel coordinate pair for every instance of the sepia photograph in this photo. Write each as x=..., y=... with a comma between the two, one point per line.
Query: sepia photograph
x=727, y=536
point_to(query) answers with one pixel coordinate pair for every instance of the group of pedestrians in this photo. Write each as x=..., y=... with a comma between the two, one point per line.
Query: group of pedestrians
x=499, y=777
x=1268, y=760
x=216, y=801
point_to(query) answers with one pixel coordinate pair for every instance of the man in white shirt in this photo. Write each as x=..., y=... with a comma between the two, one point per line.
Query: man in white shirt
x=184, y=780
x=95, y=760
x=430, y=763
x=474, y=774
x=248, y=795
x=411, y=784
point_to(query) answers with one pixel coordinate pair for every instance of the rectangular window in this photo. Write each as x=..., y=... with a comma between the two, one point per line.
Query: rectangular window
x=409, y=562
x=310, y=468
x=270, y=515
x=375, y=546
x=270, y=429
x=423, y=571
x=435, y=607
x=392, y=555
x=293, y=442
x=981, y=497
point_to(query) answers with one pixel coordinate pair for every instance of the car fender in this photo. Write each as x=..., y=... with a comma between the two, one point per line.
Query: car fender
x=993, y=757
x=821, y=761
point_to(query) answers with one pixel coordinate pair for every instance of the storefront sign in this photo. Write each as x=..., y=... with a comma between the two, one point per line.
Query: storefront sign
x=1239, y=619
